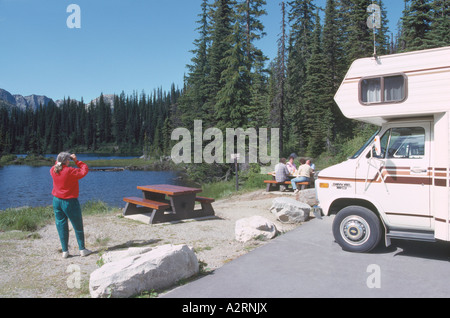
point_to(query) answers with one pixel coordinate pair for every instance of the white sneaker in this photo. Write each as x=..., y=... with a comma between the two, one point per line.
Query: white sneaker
x=85, y=252
x=296, y=191
x=65, y=254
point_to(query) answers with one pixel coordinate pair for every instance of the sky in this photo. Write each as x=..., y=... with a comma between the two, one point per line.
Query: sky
x=134, y=45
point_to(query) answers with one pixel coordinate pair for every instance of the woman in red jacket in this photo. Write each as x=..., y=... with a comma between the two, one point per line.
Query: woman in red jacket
x=65, y=200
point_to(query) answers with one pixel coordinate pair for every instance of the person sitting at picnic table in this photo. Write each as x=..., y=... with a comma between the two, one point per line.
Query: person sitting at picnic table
x=281, y=171
x=303, y=174
x=291, y=166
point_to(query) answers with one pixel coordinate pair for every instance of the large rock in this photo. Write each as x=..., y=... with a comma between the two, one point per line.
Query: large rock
x=308, y=196
x=159, y=268
x=290, y=211
x=255, y=227
x=115, y=256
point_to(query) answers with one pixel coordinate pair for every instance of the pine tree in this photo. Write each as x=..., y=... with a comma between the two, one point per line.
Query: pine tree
x=119, y=118
x=221, y=33
x=196, y=95
x=301, y=18
x=249, y=13
x=317, y=123
x=333, y=43
x=359, y=42
x=382, y=34
x=439, y=34
x=277, y=81
x=416, y=25
x=233, y=99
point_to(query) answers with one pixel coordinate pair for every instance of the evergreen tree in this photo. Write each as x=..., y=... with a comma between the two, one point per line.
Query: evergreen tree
x=359, y=41
x=196, y=93
x=221, y=35
x=334, y=59
x=119, y=118
x=439, y=34
x=233, y=99
x=301, y=18
x=249, y=13
x=416, y=25
x=277, y=81
x=317, y=123
x=382, y=34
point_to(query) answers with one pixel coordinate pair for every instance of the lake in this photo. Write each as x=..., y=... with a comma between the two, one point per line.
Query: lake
x=32, y=186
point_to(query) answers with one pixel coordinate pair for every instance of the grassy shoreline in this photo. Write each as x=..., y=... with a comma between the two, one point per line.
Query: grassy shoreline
x=38, y=160
x=31, y=219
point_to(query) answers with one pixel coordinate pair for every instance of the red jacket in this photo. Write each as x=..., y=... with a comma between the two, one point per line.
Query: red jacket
x=65, y=184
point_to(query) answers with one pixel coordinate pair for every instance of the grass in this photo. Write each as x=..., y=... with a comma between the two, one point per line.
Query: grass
x=30, y=219
x=224, y=189
x=135, y=162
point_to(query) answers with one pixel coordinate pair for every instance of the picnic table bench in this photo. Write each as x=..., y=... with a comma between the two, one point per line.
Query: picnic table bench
x=167, y=203
x=273, y=184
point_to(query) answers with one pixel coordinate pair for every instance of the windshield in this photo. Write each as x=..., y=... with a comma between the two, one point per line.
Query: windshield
x=358, y=153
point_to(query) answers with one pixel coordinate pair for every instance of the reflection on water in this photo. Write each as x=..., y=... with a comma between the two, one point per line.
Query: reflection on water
x=32, y=186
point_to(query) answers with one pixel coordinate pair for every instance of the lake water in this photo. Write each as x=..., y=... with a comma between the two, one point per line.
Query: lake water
x=32, y=186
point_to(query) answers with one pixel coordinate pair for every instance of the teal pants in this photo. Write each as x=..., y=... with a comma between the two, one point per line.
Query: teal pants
x=68, y=210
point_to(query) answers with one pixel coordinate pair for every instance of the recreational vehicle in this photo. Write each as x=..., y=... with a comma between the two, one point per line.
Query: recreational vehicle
x=398, y=184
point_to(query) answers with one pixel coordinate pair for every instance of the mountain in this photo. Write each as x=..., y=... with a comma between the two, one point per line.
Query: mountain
x=33, y=101
x=7, y=97
x=24, y=102
x=107, y=99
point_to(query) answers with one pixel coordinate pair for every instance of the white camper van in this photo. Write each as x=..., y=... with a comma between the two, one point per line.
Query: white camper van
x=398, y=184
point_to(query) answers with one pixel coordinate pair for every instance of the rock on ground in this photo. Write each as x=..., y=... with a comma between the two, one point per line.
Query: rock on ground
x=254, y=227
x=308, y=196
x=159, y=268
x=290, y=211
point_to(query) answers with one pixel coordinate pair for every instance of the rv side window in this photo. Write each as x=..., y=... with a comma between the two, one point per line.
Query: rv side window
x=383, y=89
x=371, y=90
x=407, y=143
x=394, y=89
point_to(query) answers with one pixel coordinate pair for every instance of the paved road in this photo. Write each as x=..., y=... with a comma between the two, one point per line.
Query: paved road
x=308, y=263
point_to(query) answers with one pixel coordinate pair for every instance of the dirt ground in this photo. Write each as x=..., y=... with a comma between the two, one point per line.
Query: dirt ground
x=31, y=264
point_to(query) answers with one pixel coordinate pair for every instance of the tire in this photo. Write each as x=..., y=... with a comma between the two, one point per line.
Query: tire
x=357, y=229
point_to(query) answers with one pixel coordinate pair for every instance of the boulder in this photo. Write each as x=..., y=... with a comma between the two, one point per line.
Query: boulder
x=290, y=211
x=256, y=227
x=308, y=196
x=115, y=256
x=140, y=270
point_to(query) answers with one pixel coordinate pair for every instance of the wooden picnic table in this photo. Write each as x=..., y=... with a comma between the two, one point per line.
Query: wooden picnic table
x=168, y=203
x=272, y=185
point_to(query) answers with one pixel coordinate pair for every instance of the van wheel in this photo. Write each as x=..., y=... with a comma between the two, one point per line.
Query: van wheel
x=357, y=229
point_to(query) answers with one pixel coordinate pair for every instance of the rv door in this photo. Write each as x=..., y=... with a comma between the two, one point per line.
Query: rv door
x=397, y=178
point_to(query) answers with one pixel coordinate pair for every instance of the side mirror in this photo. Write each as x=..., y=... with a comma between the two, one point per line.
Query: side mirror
x=377, y=145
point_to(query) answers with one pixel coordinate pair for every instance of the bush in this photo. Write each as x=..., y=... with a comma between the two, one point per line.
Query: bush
x=7, y=159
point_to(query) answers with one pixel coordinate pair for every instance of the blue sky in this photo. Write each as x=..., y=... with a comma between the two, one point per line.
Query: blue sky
x=122, y=45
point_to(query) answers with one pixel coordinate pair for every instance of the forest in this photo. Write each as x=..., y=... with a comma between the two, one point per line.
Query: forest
x=230, y=82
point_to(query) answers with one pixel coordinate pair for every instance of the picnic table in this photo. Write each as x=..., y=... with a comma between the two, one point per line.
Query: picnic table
x=167, y=203
x=272, y=185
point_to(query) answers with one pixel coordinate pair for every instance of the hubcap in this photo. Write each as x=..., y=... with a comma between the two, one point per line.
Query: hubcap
x=355, y=230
